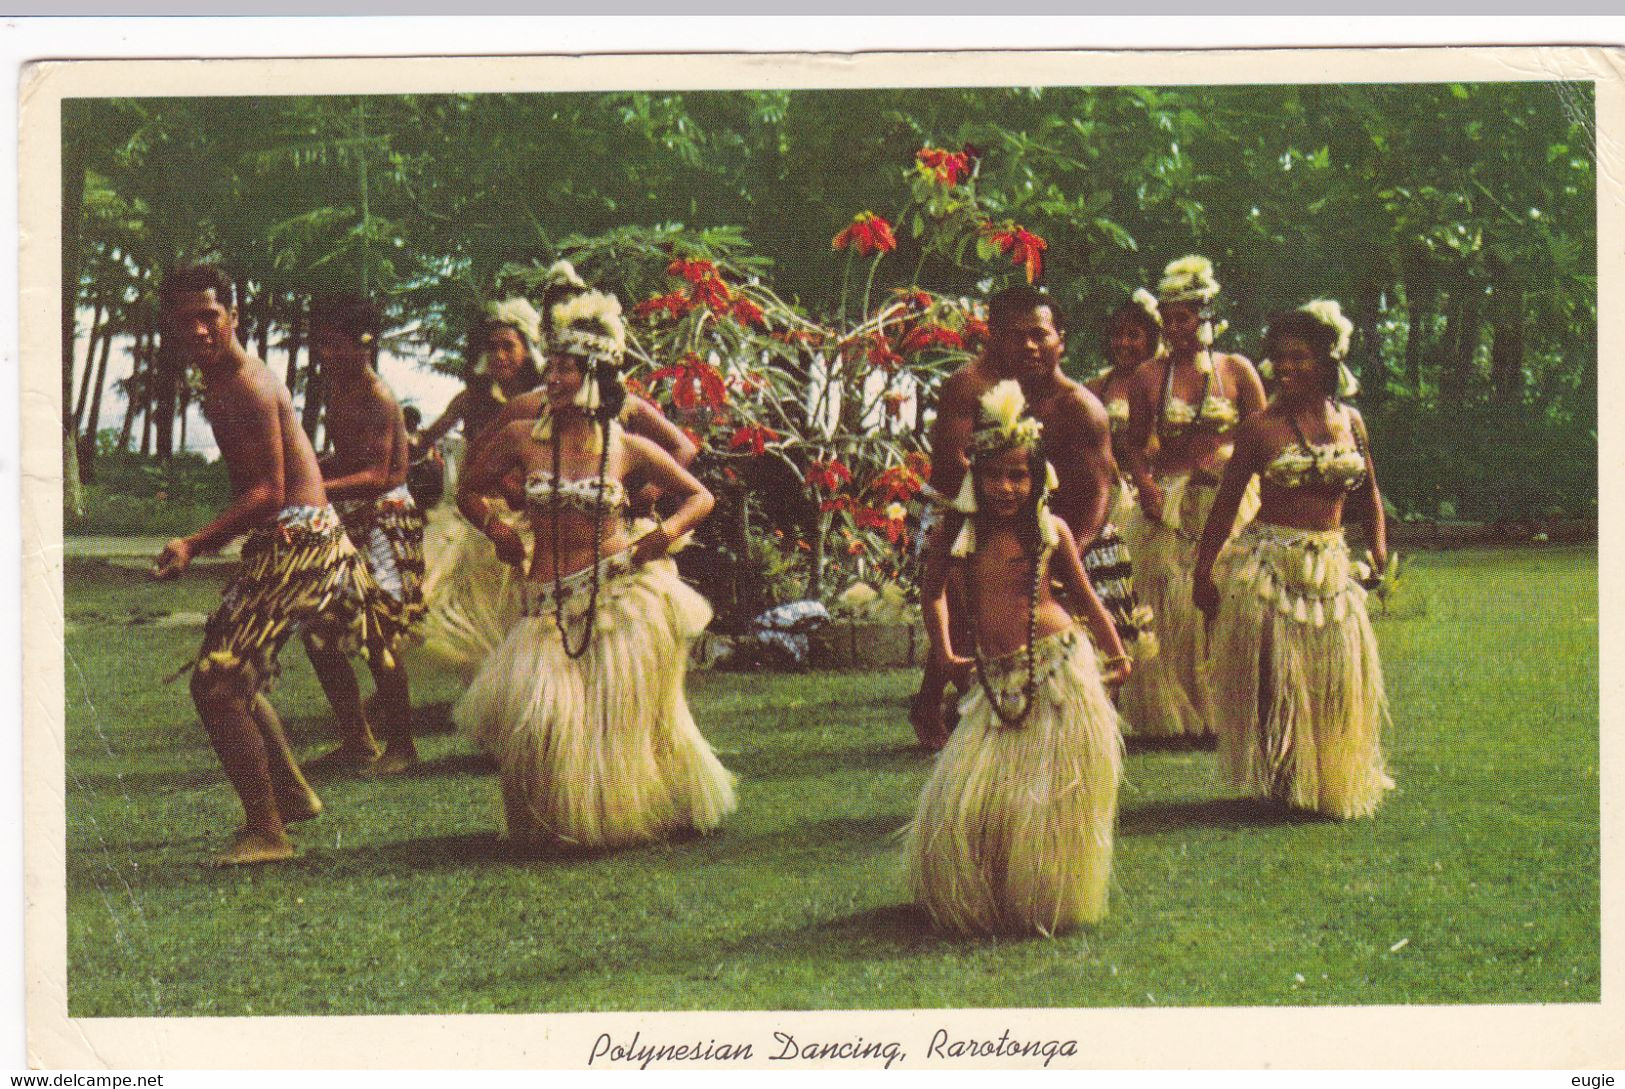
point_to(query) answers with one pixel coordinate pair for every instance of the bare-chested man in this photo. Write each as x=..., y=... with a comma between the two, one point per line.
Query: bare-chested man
x=299, y=571
x=365, y=477
x=1026, y=340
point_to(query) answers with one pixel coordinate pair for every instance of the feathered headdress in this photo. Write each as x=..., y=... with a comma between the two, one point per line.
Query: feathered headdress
x=1189, y=279
x=589, y=326
x=1002, y=424
x=517, y=314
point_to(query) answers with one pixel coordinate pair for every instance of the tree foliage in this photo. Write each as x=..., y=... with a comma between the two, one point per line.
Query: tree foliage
x=1455, y=221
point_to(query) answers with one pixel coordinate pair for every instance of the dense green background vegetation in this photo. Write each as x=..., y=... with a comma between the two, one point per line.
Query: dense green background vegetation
x=1455, y=221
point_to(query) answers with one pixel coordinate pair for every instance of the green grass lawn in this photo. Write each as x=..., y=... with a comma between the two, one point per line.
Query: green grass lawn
x=1476, y=882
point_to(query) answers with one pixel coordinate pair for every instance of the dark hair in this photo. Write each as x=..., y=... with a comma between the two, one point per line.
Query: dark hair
x=1020, y=299
x=1131, y=311
x=1312, y=331
x=200, y=277
x=413, y=417
x=347, y=312
x=1027, y=518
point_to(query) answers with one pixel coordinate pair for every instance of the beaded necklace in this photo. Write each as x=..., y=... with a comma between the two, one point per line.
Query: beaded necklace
x=555, y=506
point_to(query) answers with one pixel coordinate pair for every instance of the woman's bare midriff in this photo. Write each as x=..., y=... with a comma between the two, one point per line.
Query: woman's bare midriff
x=576, y=551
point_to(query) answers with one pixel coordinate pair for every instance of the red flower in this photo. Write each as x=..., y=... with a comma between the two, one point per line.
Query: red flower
x=948, y=166
x=839, y=503
x=637, y=388
x=746, y=312
x=829, y=475
x=869, y=233
x=695, y=272
x=918, y=463
x=918, y=340
x=914, y=298
x=754, y=436
x=693, y=437
x=676, y=303
x=870, y=518
x=898, y=484
x=1022, y=247
x=876, y=349
x=691, y=380
x=975, y=331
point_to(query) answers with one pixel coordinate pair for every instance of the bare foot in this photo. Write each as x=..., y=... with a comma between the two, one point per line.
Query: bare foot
x=301, y=806
x=396, y=760
x=249, y=847
x=344, y=758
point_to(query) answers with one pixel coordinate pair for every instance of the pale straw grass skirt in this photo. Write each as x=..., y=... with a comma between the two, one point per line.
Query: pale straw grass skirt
x=1014, y=828
x=600, y=750
x=1296, y=682
x=1166, y=696
x=473, y=598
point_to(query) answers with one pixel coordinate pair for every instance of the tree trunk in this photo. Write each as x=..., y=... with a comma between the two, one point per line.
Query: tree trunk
x=296, y=340
x=1507, y=332
x=1461, y=339
x=1374, y=364
x=93, y=425
x=262, y=325
x=96, y=334
x=164, y=399
x=140, y=352
x=1421, y=303
x=73, y=199
x=312, y=412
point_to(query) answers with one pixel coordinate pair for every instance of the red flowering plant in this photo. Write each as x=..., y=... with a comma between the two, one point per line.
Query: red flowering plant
x=812, y=428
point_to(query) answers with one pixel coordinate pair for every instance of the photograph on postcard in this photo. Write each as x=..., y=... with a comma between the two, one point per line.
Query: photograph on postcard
x=935, y=545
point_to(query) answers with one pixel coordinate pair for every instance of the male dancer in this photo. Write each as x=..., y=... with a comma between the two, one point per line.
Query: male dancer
x=365, y=478
x=1026, y=340
x=299, y=570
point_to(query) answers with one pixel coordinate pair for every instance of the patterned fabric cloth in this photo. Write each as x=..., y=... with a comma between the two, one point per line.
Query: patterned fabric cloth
x=299, y=574
x=388, y=531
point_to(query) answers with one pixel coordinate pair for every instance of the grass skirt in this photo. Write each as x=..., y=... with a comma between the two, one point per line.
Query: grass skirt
x=1166, y=696
x=1296, y=681
x=473, y=598
x=1014, y=827
x=601, y=750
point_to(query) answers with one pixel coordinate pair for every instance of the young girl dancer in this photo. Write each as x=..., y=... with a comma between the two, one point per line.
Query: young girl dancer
x=1014, y=828
x=1297, y=686
x=582, y=705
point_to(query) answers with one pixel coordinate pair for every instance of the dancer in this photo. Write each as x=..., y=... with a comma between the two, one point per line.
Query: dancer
x=473, y=597
x=1026, y=340
x=299, y=570
x=1133, y=338
x=582, y=705
x=1014, y=828
x=1297, y=685
x=638, y=416
x=1182, y=411
x=365, y=478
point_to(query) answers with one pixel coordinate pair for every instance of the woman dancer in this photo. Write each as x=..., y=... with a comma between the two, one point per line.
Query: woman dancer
x=1182, y=410
x=472, y=597
x=1014, y=828
x=582, y=705
x=1133, y=338
x=1296, y=681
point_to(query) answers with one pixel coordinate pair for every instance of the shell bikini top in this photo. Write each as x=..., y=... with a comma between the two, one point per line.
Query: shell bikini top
x=585, y=494
x=1324, y=464
x=1211, y=414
